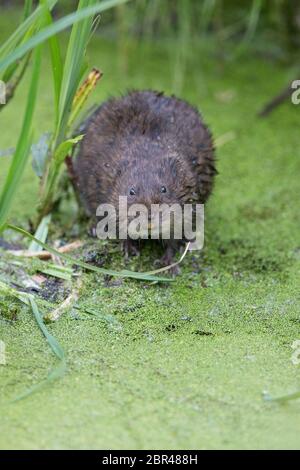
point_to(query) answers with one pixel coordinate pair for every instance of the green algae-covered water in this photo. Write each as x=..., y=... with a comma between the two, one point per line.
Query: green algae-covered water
x=184, y=365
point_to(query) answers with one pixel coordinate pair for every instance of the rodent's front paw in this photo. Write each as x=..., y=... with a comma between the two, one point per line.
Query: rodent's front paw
x=130, y=248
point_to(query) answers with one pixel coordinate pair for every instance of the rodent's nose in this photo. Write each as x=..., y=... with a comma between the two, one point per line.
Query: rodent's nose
x=146, y=202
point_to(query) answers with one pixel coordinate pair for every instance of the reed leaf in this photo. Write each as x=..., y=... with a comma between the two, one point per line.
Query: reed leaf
x=47, y=32
x=41, y=233
x=89, y=267
x=23, y=146
x=57, y=371
x=9, y=45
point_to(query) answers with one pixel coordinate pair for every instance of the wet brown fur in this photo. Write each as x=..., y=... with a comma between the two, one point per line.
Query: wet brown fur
x=144, y=140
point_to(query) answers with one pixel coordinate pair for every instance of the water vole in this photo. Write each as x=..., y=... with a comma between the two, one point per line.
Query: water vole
x=149, y=147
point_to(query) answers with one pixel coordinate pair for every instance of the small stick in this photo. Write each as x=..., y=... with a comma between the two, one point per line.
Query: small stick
x=279, y=99
x=68, y=302
x=44, y=255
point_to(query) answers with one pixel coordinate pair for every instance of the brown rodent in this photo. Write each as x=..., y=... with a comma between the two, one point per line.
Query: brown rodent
x=152, y=148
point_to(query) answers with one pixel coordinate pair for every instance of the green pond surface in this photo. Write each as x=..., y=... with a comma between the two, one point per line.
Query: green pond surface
x=184, y=365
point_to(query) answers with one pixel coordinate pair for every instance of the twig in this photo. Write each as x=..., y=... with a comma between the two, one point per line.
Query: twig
x=275, y=102
x=46, y=254
x=68, y=302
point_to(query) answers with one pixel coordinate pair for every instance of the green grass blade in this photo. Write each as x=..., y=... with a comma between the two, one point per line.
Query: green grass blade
x=60, y=272
x=253, y=19
x=53, y=343
x=57, y=371
x=28, y=299
x=23, y=146
x=27, y=8
x=73, y=67
x=55, y=28
x=13, y=77
x=57, y=63
x=284, y=398
x=41, y=233
x=69, y=83
x=50, y=183
x=124, y=273
x=21, y=31
x=254, y=16
x=207, y=11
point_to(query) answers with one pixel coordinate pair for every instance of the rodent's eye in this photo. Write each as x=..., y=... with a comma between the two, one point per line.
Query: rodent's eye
x=163, y=189
x=132, y=192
